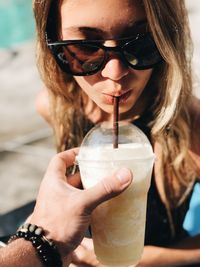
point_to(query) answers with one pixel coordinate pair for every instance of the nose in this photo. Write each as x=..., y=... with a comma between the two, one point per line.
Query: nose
x=114, y=68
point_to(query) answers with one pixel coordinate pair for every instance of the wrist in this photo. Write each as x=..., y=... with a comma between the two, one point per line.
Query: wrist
x=19, y=253
x=56, y=234
x=46, y=249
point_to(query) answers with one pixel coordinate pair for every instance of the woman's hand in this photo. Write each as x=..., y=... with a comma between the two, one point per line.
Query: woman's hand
x=84, y=255
x=152, y=257
x=63, y=210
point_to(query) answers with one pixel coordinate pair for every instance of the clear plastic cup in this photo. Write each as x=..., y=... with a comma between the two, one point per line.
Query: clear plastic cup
x=118, y=225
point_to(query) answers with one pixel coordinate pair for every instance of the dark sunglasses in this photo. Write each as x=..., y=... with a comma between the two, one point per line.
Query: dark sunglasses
x=87, y=57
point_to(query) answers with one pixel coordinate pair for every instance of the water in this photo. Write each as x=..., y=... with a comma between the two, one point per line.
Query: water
x=16, y=22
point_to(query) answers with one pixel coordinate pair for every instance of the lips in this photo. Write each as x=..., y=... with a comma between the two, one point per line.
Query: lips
x=123, y=98
x=109, y=99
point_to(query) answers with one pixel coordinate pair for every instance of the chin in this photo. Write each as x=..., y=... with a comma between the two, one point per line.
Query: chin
x=108, y=109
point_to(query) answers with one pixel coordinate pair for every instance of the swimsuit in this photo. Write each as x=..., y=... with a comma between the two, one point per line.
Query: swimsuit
x=158, y=231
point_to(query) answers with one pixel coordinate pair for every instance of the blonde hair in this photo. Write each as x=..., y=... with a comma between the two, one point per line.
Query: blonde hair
x=65, y=96
x=170, y=122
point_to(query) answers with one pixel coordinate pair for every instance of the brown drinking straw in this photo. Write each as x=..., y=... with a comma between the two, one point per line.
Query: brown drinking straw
x=115, y=121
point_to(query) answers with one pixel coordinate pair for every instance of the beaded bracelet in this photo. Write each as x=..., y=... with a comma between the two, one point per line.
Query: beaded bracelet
x=46, y=249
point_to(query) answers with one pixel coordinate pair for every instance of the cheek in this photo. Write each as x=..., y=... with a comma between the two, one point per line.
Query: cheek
x=140, y=79
x=85, y=84
x=88, y=82
x=144, y=76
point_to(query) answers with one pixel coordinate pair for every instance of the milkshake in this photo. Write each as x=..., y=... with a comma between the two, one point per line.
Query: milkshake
x=118, y=225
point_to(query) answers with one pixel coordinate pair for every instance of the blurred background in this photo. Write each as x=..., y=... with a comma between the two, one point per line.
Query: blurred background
x=26, y=142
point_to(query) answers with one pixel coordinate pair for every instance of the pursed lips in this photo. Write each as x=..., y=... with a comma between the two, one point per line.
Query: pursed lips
x=109, y=97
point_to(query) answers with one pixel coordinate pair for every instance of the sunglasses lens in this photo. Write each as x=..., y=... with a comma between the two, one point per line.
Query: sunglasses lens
x=87, y=58
x=81, y=59
x=142, y=53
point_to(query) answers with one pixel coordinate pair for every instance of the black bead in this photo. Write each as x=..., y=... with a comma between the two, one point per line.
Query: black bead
x=20, y=234
x=46, y=259
x=26, y=236
x=36, y=243
x=40, y=251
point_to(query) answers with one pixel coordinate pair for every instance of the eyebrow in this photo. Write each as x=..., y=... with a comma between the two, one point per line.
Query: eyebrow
x=86, y=29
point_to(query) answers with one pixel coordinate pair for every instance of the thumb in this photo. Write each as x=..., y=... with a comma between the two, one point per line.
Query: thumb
x=107, y=188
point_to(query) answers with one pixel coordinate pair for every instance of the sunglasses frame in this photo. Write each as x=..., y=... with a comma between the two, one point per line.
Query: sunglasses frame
x=53, y=45
x=119, y=49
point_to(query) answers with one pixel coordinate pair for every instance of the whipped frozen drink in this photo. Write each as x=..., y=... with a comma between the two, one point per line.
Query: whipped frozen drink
x=118, y=225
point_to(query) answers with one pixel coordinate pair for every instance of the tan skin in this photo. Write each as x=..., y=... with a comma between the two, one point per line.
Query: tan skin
x=115, y=80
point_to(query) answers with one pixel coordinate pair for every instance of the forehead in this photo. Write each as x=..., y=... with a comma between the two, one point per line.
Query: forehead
x=110, y=16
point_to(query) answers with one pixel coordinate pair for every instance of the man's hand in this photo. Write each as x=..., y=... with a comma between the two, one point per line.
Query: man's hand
x=63, y=210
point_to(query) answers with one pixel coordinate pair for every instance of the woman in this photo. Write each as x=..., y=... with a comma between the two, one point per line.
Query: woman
x=143, y=55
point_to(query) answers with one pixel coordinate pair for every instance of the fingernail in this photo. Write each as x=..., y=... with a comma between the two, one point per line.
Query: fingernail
x=124, y=175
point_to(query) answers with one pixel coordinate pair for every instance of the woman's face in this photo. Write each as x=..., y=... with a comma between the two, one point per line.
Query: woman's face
x=107, y=19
